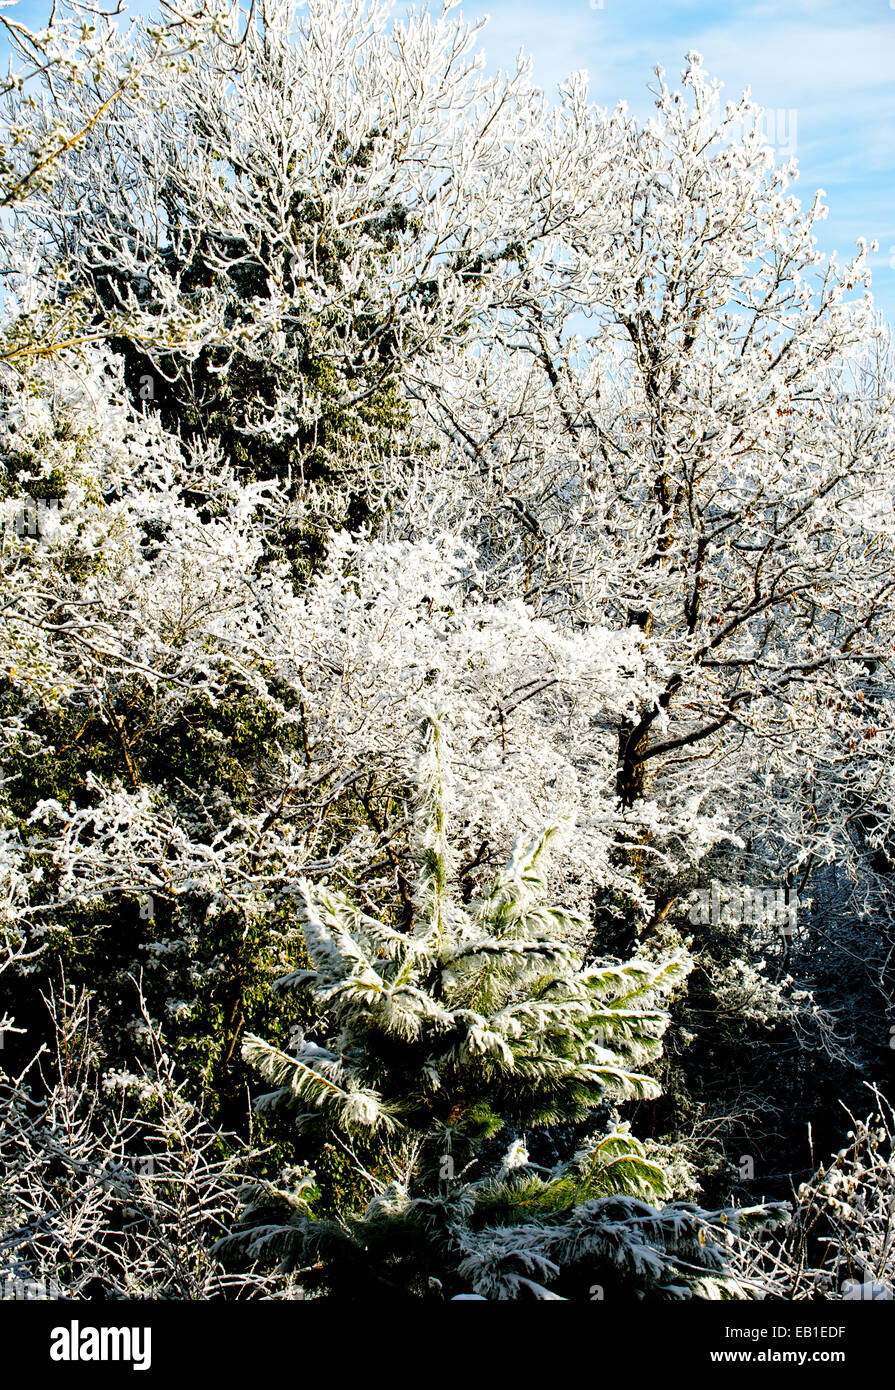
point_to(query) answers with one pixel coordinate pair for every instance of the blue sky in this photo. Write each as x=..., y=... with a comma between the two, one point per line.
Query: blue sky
x=824, y=71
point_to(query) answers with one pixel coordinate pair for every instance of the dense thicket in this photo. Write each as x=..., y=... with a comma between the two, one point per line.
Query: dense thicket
x=400, y=473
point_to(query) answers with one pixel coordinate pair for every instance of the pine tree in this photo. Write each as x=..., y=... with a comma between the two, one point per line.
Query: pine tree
x=478, y=1023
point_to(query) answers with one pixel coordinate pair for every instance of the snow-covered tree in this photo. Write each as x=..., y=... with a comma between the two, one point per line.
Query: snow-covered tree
x=273, y=233
x=683, y=420
x=186, y=735
x=477, y=1019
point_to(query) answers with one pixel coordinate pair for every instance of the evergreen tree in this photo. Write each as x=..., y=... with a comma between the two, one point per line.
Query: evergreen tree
x=479, y=1021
